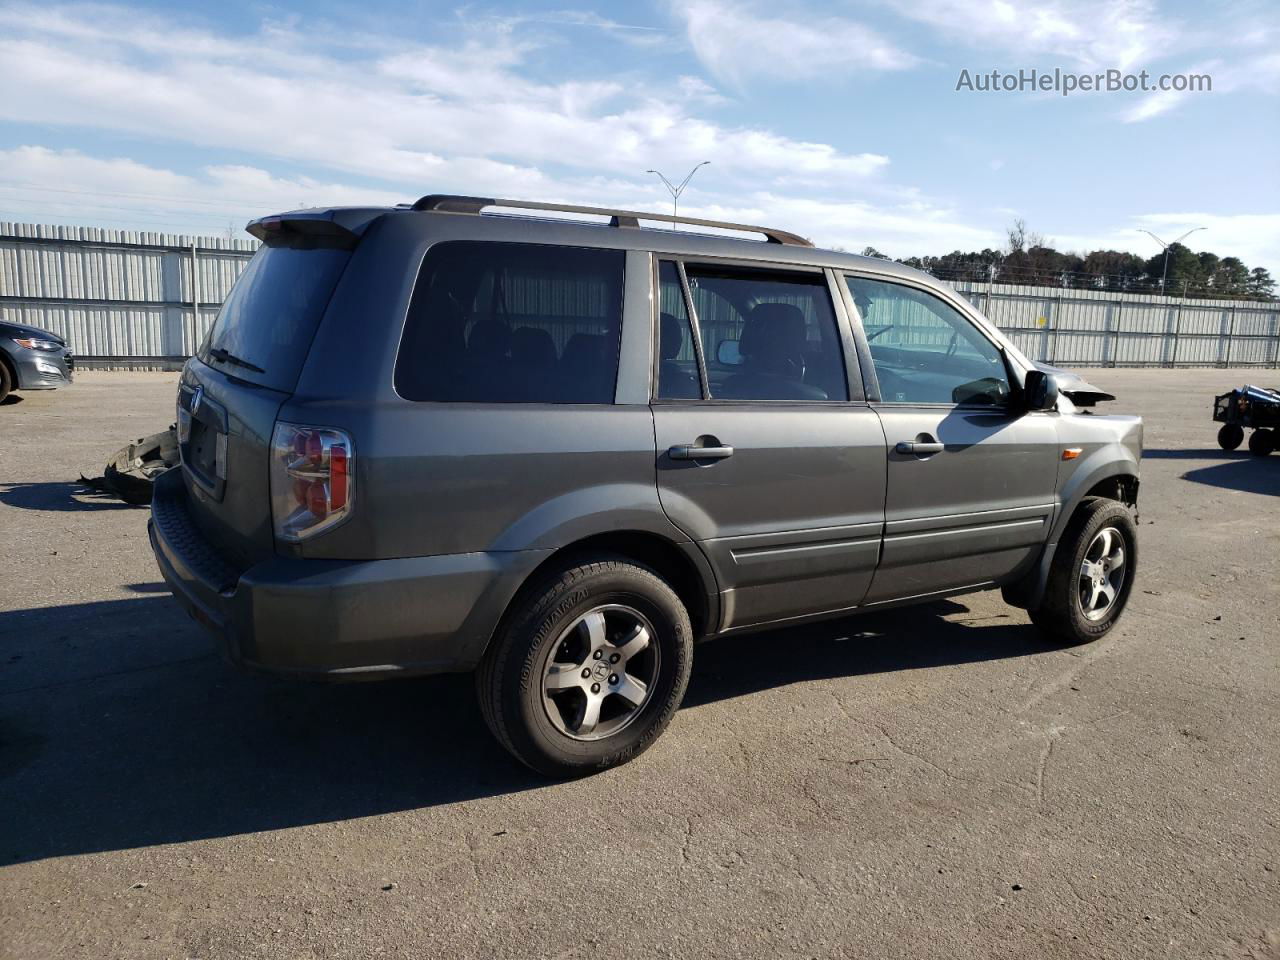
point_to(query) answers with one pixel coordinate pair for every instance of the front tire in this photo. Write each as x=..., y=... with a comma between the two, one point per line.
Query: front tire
x=6, y=381
x=588, y=668
x=1092, y=574
x=1230, y=436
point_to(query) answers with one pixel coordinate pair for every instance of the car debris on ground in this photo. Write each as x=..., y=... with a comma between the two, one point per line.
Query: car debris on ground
x=130, y=473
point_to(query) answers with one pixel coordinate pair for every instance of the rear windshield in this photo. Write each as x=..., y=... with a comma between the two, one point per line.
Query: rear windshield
x=266, y=324
x=513, y=323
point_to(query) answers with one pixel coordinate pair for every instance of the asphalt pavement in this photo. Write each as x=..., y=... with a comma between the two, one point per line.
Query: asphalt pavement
x=927, y=782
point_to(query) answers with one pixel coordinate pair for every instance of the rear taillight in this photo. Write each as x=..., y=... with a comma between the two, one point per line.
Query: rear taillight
x=311, y=480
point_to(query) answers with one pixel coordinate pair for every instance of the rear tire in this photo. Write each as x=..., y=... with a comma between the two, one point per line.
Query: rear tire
x=1262, y=442
x=588, y=668
x=1230, y=436
x=1092, y=574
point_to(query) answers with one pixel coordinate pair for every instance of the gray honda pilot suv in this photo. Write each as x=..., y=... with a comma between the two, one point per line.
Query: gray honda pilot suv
x=556, y=452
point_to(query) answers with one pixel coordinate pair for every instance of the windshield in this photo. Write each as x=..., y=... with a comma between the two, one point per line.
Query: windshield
x=266, y=325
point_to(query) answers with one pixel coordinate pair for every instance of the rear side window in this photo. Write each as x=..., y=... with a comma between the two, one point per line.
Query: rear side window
x=267, y=323
x=513, y=323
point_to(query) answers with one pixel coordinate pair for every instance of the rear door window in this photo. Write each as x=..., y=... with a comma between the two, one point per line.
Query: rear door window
x=265, y=327
x=513, y=323
x=678, y=375
x=767, y=335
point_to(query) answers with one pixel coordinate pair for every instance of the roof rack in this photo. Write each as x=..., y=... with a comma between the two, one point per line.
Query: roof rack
x=446, y=203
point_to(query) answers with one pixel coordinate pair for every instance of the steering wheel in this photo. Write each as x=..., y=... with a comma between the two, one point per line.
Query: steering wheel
x=884, y=329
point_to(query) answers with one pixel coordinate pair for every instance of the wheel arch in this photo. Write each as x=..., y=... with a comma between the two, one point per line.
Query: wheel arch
x=7, y=362
x=680, y=564
x=1120, y=486
x=1112, y=479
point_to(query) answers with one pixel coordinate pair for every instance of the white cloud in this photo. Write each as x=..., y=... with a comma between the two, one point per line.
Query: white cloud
x=380, y=122
x=1098, y=35
x=1259, y=73
x=419, y=112
x=641, y=35
x=737, y=42
x=37, y=183
x=1086, y=33
x=903, y=229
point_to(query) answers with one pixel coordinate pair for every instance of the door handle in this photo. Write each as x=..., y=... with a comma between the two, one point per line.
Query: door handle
x=919, y=448
x=688, y=451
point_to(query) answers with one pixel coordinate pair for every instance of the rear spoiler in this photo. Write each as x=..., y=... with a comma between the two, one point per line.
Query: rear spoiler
x=339, y=227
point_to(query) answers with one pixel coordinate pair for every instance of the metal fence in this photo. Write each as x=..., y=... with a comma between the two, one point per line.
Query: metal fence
x=134, y=298
x=118, y=296
x=1087, y=328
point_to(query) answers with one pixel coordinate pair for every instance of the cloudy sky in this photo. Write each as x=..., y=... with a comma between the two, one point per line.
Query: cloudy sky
x=840, y=120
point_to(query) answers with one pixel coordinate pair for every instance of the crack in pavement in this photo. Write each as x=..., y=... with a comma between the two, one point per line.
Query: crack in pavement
x=1042, y=766
x=688, y=840
x=1040, y=692
x=884, y=732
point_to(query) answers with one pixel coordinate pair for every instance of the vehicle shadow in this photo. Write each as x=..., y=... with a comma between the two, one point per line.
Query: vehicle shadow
x=1204, y=453
x=121, y=727
x=1239, y=469
x=72, y=497
x=1255, y=475
x=11, y=399
x=909, y=638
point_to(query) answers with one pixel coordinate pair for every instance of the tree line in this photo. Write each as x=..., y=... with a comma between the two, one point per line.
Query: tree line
x=1028, y=258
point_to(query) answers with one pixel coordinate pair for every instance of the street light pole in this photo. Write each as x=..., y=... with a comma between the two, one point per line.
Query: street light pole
x=1165, y=274
x=676, y=191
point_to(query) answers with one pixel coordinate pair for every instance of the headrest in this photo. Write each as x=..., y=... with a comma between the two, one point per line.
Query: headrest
x=773, y=331
x=489, y=338
x=533, y=346
x=672, y=336
x=583, y=349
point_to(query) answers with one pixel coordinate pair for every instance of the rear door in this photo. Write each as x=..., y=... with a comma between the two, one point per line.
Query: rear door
x=244, y=370
x=768, y=456
x=971, y=478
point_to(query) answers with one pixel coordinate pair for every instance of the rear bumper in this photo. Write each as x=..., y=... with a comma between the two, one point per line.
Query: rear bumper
x=333, y=618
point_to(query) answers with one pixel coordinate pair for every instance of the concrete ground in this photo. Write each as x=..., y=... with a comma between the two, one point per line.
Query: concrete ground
x=933, y=782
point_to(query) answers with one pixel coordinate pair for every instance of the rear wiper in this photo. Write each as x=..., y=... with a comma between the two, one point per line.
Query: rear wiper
x=220, y=354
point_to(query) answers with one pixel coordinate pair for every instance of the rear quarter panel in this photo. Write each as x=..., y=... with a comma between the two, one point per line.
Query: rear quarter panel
x=441, y=478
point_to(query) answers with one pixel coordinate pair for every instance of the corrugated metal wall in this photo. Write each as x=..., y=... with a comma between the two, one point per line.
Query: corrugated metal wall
x=117, y=294
x=1096, y=328
x=124, y=295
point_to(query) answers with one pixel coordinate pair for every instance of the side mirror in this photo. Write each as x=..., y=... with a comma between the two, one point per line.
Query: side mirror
x=727, y=353
x=1041, y=390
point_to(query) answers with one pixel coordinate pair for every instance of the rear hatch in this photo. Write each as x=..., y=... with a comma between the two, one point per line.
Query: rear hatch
x=248, y=365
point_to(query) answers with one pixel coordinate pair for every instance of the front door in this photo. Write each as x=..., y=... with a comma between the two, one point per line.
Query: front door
x=768, y=457
x=971, y=478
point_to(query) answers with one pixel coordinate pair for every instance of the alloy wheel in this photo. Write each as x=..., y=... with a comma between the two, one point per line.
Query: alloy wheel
x=1102, y=574
x=601, y=672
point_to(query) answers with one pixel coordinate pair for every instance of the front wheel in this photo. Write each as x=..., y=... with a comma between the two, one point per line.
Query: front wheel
x=588, y=669
x=1230, y=436
x=1092, y=573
